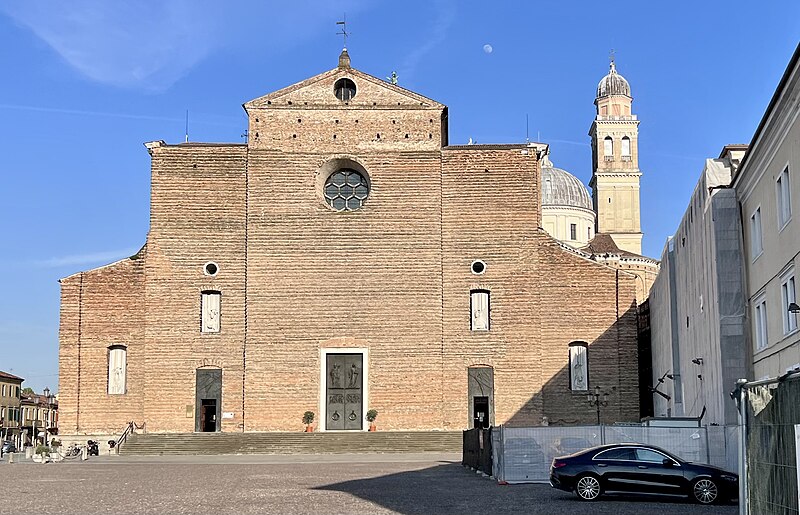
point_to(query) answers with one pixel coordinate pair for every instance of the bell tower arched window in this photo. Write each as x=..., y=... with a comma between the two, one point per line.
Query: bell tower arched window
x=608, y=148
x=626, y=147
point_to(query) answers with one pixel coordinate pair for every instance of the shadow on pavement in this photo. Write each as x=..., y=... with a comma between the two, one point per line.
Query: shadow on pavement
x=449, y=488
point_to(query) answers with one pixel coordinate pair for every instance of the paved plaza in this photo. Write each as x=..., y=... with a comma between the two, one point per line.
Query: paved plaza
x=293, y=485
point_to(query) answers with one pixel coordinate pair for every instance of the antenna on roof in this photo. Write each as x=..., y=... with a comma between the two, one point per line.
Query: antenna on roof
x=527, y=139
x=186, y=129
x=343, y=32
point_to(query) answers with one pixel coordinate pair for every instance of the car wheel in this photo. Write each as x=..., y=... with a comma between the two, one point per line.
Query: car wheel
x=587, y=488
x=705, y=491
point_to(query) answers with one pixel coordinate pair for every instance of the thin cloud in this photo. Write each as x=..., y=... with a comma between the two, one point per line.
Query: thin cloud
x=82, y=112
x=93, y=258
x=446, y=10
x=126, y=44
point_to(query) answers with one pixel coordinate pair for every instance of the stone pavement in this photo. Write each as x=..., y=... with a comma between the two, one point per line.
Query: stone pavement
x=293, y=485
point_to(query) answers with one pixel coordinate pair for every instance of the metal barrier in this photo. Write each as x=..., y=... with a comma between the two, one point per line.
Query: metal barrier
x=772, y=418
x=524, y=455
x=477, y=452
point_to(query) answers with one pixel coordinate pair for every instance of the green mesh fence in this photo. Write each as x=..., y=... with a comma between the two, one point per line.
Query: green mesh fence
x=773, y=411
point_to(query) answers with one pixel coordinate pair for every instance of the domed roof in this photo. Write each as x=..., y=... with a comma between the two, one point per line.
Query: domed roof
x=561, y=188
x=613, y=84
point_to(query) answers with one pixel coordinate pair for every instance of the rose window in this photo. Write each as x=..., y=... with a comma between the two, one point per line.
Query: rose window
x=346, y=190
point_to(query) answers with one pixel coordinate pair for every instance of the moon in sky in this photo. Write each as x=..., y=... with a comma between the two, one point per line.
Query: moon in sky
x=487, y=48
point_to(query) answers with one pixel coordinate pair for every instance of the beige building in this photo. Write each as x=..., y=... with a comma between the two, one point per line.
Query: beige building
x=768, y=188
x=39, y=416
x=10, y=415
x=346, y=258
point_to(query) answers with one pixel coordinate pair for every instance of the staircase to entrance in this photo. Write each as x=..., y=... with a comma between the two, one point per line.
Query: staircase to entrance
x=293, y=443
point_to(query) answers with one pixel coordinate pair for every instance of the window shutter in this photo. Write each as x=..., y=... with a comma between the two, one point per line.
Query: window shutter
x=117, y=370
x=480, y=310
x=210, y=312
x=578, y=368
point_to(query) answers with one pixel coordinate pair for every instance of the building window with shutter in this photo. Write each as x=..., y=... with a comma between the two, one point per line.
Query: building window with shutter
x=117, y=369
x=210, y=311
x=787, y=298
x=479, y=306
x=578, y=366
x=756, y=242
x=573, y=232
x=784, y=199
x=760, y=317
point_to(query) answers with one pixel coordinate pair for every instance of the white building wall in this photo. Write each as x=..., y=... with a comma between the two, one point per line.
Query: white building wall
x=705, y=303
x=775, y=148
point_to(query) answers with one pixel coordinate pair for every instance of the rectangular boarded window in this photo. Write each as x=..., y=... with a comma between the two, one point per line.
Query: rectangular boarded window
x=578, y=367
x=117, y=369
x=210, y=311
x=479, y=304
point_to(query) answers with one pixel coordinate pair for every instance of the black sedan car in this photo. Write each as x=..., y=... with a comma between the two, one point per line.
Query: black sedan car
x=635, y=468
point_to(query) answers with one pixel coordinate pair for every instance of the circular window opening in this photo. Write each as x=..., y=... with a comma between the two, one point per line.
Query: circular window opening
x=346, y=190
x=478, y=267
x=344, y=89
x=210, y=268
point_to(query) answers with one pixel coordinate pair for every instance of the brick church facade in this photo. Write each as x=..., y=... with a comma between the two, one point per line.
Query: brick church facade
x=345, y=258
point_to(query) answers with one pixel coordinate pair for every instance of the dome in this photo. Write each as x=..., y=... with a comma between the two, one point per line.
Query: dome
x=613, y=84
x=561, y=188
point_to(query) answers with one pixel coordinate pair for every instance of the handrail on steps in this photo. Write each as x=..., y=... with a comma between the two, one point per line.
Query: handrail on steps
x=129, y=430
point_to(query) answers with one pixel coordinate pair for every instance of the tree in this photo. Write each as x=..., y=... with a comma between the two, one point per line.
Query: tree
x=28, y=391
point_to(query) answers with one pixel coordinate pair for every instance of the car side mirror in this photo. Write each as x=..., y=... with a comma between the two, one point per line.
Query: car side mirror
x=667, y=462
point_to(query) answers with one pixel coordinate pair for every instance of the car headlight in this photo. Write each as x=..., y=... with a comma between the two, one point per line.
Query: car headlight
x=727, y=477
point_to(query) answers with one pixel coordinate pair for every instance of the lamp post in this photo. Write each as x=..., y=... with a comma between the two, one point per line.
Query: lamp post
x=46, y=393
x=598, y=399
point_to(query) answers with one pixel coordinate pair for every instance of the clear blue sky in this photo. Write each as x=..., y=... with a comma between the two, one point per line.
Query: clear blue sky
x=85, y=83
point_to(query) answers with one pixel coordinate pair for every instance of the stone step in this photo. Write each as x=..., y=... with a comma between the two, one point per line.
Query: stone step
x=293, y=443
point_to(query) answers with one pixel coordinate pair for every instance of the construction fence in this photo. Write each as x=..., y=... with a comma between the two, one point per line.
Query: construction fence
x=524, y=454
x=772, y=411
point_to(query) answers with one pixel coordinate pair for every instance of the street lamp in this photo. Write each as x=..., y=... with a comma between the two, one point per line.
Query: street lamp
x=46, y=393
x=598, y=399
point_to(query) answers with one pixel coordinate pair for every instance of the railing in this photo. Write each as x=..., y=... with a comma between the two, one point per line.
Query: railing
x=129, y=430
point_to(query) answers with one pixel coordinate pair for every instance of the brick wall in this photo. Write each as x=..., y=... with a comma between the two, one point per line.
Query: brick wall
x=297, y=277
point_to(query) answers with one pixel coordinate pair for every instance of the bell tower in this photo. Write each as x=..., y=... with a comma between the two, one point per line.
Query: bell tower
x=615, y=160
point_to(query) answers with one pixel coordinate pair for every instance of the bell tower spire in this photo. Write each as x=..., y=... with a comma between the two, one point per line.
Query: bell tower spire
x=615, y=160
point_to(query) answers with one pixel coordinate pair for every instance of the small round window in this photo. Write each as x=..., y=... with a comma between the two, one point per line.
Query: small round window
x=210, y=268
x=346, y=190
x=344, y=89
x=478, y=267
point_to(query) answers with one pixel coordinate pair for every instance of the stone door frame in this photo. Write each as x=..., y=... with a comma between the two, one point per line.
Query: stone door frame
x=323, y=384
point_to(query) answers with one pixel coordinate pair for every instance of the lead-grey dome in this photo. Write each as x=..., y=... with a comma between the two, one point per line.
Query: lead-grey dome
x=613, y=84
x=561, y=188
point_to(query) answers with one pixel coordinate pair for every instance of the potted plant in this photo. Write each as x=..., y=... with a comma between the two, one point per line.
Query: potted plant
x=42, y=454
x=308, y=420
x=371, y=416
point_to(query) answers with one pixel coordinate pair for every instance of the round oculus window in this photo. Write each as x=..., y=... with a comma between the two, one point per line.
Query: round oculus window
x=478, y=267
x=344, y=89
x=210, y=268
x=346, y=190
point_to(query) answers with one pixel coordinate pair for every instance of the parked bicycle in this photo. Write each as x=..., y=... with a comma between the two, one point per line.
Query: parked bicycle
x=72, y=451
